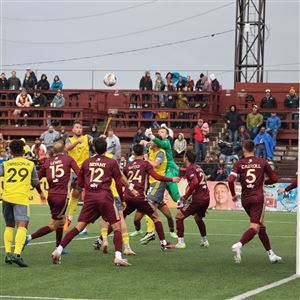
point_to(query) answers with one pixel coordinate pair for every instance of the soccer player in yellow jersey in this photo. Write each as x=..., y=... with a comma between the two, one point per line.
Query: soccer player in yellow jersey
x=157, y=158
x=104, y=225
x=78, y=147
x=19, y=175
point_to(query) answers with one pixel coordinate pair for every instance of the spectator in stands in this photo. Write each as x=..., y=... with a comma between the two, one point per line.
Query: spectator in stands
x=113, y=145
x=254, y=121
x=39, y=100
x=3, y=82
x=58, y=100
x=23, y=101
x=147, y=115
x=215, y=85
x=29, y=81
x=14, y=83
x=243, y=135
x=226, y=148
x=146, y=82
x=139, y=136
x=159, y=85
x=161, y=116
x=198, y=139
x=233, y=121
x=169, y=82
x=180, y=145
x=181, y=84
x=32, y=75
x=199, y=83
x=221, y=171
x=268, y=101
x=292, y=101
x=210, y=167
x=43, y=83
x=189, y=84
x=182, y=104
x=264, y=145
x=273, y=124
x=56, y=84
x=49, y=136
x=63, y=134
x=38, y=151
x=94, y=133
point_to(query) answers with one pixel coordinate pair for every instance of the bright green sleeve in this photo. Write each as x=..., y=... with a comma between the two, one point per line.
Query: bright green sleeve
x=164, y=144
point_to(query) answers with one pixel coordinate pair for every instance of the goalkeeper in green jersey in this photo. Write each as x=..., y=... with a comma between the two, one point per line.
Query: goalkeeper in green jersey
x=172, y=169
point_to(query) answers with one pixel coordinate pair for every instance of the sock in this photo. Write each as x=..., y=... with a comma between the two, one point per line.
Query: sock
x=204, y=238
x=73, y=204
x=8, y=238
x=264, y=238
x=125, y=238
x=201, y=226
x=41, y=232
x=181, y=240
x=59, y=234
x=104, y=233
x=69, y=237
x=150, y=224
x=171, y=224
x=20, y=240
x=118, y=255
x=247, y=236
x=180, y=227
x=137, y=225
x=160, y=230
x=118, y=240
x=270, y=252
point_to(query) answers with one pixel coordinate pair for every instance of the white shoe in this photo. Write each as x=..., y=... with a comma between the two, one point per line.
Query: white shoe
x=204, y=243
x=128, y=252
x=274, y=258
x=180, y=246
x=237, y=253
x=120, y=262
x=56, y=258
x=105, y=246
x=149, y=236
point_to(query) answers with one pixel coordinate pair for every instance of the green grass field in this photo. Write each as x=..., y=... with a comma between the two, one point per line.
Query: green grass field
x=192, y=273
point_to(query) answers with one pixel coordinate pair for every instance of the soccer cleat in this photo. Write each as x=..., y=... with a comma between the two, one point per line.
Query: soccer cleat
x=129, y=252
x=180, y=246
x=26, y=242
x=149, y=236
x=237, y=253
x=56, y=258
x=105, y=246
x=67, y=225
x=204, y=243
x=65, y=252
x=97, y=244
x=274, y=258
x=173, y=235
x=8, y=259
x=18, y=260
x=136, y=233
x=164, y=247
x=83, y=232
x=120, y=262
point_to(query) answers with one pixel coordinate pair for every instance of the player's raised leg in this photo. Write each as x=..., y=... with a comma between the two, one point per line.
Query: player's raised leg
x=167, y=213
x=202, y=229
x=137, y=224
x=180, y=230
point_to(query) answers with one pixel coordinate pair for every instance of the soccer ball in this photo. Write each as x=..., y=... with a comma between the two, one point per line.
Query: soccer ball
x=110, y=79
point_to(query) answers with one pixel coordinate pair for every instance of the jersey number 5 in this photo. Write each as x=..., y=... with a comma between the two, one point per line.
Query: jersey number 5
x=250, y=176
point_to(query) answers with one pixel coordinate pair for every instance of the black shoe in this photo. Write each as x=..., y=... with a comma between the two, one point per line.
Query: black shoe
x=18, y=260
x=8, y=259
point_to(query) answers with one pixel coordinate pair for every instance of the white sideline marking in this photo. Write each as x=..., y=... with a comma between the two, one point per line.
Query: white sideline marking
x=187, y=233
x=265, y=288
x=42, y=298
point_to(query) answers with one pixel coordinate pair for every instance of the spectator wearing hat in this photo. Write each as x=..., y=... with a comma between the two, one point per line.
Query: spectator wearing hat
x=268, y=101
x=43, y=83
x=273, y=124
x=254, y=121
x=264, y=145
x=292, y=101
x=180, y=145
x=58, y=100
x=56, y=84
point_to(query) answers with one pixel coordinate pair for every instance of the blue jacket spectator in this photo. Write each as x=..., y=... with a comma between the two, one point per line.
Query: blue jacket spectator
x=273, y=124
x=59, y=100
x=56, y=84
x=264, y=145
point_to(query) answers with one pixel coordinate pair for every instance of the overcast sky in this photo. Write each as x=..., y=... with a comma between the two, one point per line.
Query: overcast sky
x=45, y=30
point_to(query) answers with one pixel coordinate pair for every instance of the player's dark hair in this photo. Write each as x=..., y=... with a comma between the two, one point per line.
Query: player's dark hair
x=249, y=146
x=77, y=122
x=138, y=149
x=190, y=156
x=221, y=183
x=16, y=147
x=100, y=145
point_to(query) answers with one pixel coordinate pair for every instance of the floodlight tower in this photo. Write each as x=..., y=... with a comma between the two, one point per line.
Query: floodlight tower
x=249, y=40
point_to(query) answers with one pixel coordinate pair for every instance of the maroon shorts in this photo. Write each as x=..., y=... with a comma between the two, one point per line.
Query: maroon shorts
x=93, y=209
x=58, y=205
x=255, y=210
x=195, y=207
x=143, y=206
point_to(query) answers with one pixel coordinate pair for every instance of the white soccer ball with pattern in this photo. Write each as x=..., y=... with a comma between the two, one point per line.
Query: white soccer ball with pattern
x=110, y=79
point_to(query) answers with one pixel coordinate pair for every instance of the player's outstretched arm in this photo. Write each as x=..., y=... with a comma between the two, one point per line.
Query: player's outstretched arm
x=164, y=144
x=292, y=186
x=74, y=166
x=231, y=180
x=163, y=178
x=194, y=182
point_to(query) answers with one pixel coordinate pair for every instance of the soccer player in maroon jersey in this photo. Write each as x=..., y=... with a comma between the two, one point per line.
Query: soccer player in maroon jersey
x=137, y=173
x=96, y=176
x=251, y=171
x=290, y=187
x=199, y=203
x=57, y=170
